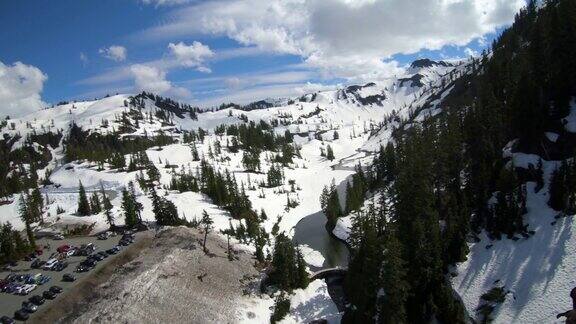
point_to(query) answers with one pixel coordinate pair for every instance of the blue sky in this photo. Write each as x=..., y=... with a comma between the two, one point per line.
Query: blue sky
x=207, y=52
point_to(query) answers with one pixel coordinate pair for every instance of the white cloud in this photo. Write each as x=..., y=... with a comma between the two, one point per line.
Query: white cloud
x=114, y=53
x=153, y=79
x=20, y=88
x=83, y=58
x=330, y=34
x=191, y=55
x=470, y=52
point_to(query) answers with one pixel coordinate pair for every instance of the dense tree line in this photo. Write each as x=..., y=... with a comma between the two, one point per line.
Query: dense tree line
x=12, y=245
x=254, y=138
x=167, y=106
x=103, y=148
x=446, y=179
x=18, y=166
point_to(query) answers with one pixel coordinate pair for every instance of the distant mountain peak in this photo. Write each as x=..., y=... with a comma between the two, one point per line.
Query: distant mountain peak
x=424, y=63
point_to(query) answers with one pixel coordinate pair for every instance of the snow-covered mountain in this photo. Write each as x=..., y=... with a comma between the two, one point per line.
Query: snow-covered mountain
x=354, y=122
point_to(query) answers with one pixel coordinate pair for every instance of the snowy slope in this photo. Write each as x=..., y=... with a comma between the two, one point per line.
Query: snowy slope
x=356, y=113
x=539, y=271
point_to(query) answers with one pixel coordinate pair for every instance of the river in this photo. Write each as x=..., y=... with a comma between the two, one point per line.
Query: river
x=311, y=231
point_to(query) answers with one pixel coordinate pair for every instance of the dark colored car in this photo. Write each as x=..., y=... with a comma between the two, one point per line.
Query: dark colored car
x=10, y=288
x=56, y=289
x=28, y=307
x=68, y=277
x=6, y=320
x=113, y=250
x=82, y=268
x=96, y=257
x=36, y=300
x=85, y=249
x=11, y=277
x=48, y=294
x=37, y=264
x=60, y=266
x=21, y=315
x=103, y=254
x=3, y=283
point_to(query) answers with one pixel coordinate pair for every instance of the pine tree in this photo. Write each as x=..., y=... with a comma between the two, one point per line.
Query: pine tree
x=83, y=204
x=165, y=211
x=207, y=225
x=330, y=153
x=302, y=273
x=129, y=207
x=107, y=206
x=95, y=206
x=24, y=210
x=391, y=305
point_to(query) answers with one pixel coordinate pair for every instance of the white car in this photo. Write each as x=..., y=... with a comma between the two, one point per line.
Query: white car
x=70, y=252
x=49, y=264
x=28, y=288
x=25, y=289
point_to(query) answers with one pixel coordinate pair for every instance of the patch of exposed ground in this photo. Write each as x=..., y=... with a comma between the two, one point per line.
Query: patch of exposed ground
x=170, y=280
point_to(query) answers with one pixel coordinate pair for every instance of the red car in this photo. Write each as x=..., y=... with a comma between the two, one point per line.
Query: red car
x=63, y=248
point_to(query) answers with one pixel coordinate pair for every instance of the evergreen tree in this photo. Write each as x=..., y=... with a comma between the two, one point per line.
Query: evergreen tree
x=25, y=215
x=130, y=209
x=95, y=206
x=207, y=225
x=107, y=206
x=165, y=211
x=83, y=204
x=330, y=153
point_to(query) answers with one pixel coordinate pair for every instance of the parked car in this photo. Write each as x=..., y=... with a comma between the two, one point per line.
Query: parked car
x=3, y=283
x=21, y=315
x=85, y=249
x=43, y=279
x=70, y=252
x=30, y=257
x=83, y=268
x=37, y=264
x=24, y=289
x=60, y=266
x=36, y=300
x=11, y=277
x=10, y=288
x=103, y=254
x=6, y=320
x=49, y=264
x=96, y=257
x=57, y=237
x=113, y=250
x=103, y=236
x=56, y=289
x=48, y=294
x=68, y=277
x=63, y=248
x=29, y=307
x=30, y=279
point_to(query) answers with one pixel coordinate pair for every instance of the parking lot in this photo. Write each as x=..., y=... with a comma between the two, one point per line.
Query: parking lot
x=9, y=303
